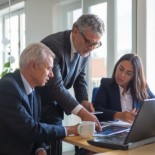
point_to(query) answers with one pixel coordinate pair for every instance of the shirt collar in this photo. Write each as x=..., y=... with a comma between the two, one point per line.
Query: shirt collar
x=121, y=90
x=27, y=87
x=73, y=50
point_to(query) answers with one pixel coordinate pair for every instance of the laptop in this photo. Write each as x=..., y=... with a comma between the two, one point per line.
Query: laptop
x=141, y=132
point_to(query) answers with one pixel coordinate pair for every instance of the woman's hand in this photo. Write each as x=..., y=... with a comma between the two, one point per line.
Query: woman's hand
x=126, y=116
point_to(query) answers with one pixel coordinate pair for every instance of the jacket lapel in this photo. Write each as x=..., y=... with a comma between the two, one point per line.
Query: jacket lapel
x=115, y=92
x=22, y=91
x=67, y=52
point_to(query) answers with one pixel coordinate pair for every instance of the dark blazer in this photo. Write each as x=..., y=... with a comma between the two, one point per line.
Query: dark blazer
x=55, y=96
x=108, y=99
x=18, y=129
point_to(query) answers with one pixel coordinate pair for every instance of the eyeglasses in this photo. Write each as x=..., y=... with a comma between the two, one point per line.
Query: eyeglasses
x=89, y=43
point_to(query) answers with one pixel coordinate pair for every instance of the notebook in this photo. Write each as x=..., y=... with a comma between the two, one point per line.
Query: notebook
x=141, y=132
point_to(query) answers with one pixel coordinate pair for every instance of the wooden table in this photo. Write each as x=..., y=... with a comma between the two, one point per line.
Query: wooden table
x=81, y=142
x=142, y=150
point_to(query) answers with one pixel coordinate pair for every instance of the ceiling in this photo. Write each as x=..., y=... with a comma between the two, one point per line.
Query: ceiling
x=2, y=2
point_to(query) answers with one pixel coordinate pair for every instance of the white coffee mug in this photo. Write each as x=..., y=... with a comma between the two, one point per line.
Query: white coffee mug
x=86, y=129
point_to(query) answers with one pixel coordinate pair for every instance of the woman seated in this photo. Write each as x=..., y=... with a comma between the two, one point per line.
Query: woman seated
x=119, y=97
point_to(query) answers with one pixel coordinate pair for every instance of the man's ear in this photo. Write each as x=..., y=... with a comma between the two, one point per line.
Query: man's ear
x=75, y=30
x=33, y=65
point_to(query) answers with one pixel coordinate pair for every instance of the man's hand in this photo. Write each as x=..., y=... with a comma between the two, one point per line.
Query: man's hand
x=40, y=151
x=88, y=105
x=87, y=116
x=72, y=129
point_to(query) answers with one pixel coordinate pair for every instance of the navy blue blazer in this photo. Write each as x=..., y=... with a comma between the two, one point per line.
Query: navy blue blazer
x=55, y=96
x=108, y=99
x=18, y=129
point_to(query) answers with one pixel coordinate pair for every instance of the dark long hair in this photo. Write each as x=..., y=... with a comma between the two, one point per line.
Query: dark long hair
x=137, y=85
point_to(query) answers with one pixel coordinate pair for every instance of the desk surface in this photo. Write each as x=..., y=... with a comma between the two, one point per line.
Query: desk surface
x=142, y=150
x=81, y=142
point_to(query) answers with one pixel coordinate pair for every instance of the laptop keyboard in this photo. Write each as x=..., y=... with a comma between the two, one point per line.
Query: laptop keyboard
x=118, y=138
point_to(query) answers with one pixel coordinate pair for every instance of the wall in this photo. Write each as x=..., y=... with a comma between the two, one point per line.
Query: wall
x=41, y=17
x=38, y=15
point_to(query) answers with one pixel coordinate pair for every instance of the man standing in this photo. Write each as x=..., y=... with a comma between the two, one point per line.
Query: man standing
x=72, y=50
x=20, y=107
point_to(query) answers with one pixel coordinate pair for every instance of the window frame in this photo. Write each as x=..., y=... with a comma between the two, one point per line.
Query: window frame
x=16, y=10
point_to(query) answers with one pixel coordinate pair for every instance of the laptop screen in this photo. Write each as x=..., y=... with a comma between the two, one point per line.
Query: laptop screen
x=144, y=124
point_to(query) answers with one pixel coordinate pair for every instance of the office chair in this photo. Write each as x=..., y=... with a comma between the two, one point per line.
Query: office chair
x=94, y=92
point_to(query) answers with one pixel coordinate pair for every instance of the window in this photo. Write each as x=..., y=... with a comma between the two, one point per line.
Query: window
x=150, y=45
x=13, y=35
x=98, y=64
x=123, y=27
x=73, y=16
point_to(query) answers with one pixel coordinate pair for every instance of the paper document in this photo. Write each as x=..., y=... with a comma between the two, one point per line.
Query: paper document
x=113, y=127
x=97, y=112
x=118, y=123
x=111, y=130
